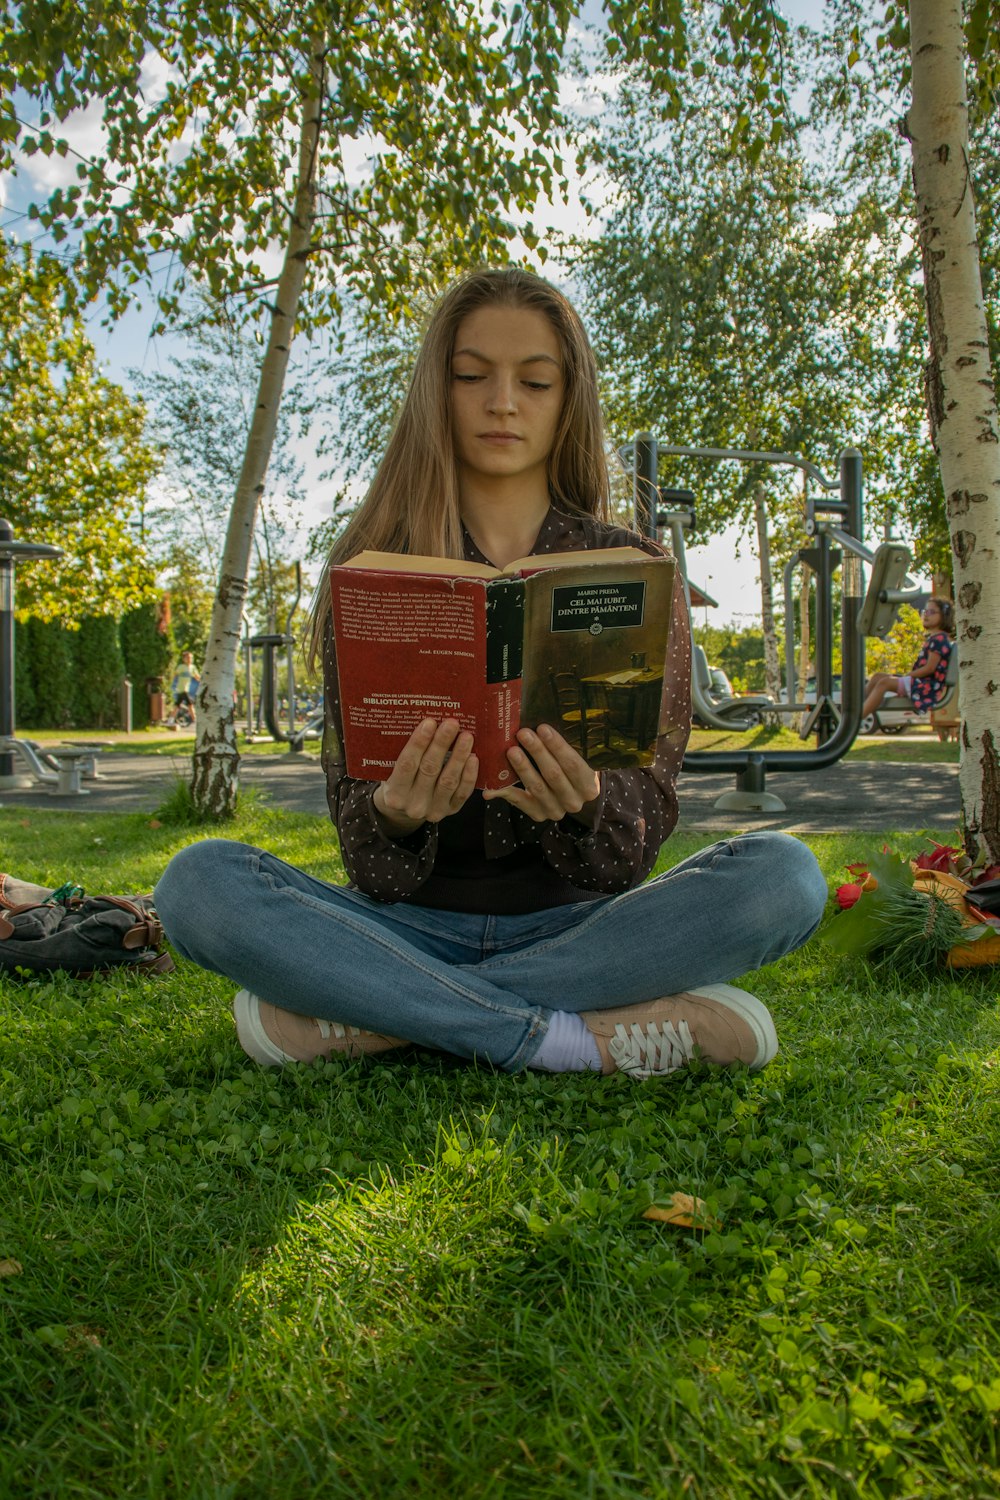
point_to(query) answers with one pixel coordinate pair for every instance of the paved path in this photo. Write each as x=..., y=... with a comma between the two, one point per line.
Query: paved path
x=872, y=795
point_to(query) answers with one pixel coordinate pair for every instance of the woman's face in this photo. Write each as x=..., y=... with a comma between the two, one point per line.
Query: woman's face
x=507, y=388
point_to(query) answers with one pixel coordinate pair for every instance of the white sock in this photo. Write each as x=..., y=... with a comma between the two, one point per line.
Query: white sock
x=568, y=1046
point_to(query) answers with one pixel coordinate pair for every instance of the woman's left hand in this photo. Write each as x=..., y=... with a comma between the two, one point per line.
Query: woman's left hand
x=555, y=779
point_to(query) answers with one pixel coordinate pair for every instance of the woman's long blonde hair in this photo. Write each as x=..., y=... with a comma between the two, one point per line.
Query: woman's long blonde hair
x=413, y=502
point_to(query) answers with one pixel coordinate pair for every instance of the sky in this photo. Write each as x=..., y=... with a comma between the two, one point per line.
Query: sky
x=724, y=567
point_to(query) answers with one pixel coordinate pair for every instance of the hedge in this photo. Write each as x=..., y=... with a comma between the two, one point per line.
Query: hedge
x=70, y=679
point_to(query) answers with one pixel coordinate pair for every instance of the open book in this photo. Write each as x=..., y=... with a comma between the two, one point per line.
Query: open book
x=572, y=639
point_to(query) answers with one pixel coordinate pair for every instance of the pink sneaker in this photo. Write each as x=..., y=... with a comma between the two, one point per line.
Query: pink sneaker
x=718, y=1023
x=274, y=1037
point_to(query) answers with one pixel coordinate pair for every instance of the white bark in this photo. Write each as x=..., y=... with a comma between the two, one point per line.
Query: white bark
x=215, y=772
x=961, y=394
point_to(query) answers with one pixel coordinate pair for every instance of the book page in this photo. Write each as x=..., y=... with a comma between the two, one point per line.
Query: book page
x=400, y=562
x=439, y=622
x=583, y=558
x=453, y=567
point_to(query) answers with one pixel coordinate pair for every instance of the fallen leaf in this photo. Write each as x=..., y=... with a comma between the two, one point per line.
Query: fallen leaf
x=25, y=822
x=155, y=823
x=10, y=1268
x=684, y=1211
x=79, y=1336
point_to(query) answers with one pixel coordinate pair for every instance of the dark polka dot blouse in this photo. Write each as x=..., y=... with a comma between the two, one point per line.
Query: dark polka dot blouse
x=490, y=857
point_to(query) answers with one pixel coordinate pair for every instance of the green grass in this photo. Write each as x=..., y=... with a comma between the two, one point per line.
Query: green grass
x=913, y=748
x=916, y=746
x=419, y=1278
x=156, y=741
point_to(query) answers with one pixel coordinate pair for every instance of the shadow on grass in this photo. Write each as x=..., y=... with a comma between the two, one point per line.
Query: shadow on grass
x=416, y=1277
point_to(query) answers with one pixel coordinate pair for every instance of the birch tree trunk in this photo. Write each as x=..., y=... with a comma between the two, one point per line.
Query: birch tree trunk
x=961, y=396
x=772, y=671
x=215, y=771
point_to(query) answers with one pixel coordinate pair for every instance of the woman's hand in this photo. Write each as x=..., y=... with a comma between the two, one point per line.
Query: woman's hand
x=555, y=780
x=433, y=777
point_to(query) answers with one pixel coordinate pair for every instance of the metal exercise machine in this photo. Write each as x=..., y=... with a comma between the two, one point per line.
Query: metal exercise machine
x=269, y=646
x=834, y=521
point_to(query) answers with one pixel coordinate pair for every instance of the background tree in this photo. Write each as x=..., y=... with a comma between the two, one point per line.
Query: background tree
x=242, y=140
x=272, y=596
x=74, y=462
x=147, y=651
x=244, y=156
x=740, y=654
x=99, y=669
x=352, y=415
x=45, y=658
x=726, y=311
x=200, y=413
x=899, y=650
x=961, y=388
x=191, y=595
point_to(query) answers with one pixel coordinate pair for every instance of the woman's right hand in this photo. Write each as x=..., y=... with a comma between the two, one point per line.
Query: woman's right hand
x=433, y=777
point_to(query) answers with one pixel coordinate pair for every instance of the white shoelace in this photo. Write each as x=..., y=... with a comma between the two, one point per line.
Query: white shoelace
x=657, y=1049
x=339, y=1030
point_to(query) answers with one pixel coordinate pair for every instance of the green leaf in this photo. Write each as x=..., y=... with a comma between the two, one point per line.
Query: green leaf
x=863, y=927
x=688, y=1395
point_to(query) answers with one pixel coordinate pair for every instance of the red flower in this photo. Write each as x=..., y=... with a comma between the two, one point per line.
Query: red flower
x=940, y=859
x=847, y=895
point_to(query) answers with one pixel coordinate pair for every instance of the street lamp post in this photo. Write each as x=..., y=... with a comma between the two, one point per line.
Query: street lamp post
x=10, y=553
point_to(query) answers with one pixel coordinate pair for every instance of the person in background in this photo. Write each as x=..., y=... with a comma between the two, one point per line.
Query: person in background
x=926, y=682
x=184, y=687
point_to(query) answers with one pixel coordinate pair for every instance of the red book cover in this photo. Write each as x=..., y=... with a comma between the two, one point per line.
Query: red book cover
x=577, y=640
x=412, y=646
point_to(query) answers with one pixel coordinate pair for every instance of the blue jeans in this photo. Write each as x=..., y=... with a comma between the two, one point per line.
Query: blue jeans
x=485, y=986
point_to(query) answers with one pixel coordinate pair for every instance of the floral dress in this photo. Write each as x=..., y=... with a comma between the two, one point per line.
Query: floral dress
x=927, y=691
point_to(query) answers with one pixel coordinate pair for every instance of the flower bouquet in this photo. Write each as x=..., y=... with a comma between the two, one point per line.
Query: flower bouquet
x=939, y=907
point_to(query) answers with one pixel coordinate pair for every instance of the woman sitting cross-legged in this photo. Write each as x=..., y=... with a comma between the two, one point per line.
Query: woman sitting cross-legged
x=517, y=927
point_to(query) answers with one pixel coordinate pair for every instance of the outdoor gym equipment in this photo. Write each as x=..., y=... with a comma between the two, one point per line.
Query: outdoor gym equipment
x=269, y=645
x=878, y=613
x=834, y=516
x=881, y=607
x=743, y=712
x=60, y=769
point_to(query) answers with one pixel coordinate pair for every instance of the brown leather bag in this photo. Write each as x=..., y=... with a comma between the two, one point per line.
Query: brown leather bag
x=42, y=930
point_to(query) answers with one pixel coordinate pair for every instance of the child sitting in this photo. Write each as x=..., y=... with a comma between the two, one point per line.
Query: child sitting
x=925, y=683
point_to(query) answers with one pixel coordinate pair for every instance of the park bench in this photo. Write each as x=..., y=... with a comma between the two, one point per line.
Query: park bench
x=61, y=768
x=88, y=760
x=69, y=762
